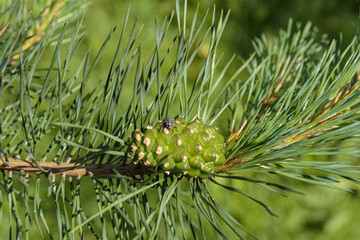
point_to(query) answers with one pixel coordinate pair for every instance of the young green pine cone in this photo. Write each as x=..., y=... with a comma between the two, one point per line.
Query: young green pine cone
x=177, y=147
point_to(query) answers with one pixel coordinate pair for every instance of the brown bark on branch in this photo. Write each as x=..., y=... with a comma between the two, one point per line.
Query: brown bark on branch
x=72, y=169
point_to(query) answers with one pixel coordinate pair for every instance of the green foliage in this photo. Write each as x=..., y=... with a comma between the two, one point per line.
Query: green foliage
x=296, y=95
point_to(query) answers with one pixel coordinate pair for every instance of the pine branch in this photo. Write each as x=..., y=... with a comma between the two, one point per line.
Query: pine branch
x=67, y=169
x=296, y=95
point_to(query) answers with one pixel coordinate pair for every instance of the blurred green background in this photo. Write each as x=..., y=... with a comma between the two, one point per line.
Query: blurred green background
x=248, y=18
x=319, y=214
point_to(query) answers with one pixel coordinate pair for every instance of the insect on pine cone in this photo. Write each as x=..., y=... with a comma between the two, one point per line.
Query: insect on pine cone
x=168, y=123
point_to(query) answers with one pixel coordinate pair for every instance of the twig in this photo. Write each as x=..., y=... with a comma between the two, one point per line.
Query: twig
x=72, y=169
